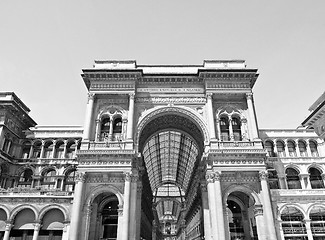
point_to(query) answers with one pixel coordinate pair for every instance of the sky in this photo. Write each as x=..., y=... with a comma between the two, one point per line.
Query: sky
x=45, y=44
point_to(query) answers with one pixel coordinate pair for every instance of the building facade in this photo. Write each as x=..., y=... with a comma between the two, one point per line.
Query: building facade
x=166, y=152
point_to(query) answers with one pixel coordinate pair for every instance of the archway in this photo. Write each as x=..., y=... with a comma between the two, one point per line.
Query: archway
x=171, y=144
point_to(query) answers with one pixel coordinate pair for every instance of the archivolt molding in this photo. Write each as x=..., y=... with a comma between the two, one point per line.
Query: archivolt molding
x=292, y=205
x=20, y=170
x=16, y=210
x=105, y=110
x=54, y=206
x=4, y=208
x=156, y=111
x=104, y=188
x=314, y=205
x=241, y=188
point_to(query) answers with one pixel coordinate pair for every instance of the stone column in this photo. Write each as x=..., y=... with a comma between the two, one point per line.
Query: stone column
x=42, y=149
x=308, y=229
x=77, y=205
x=282, y=181
x=219, y=205
x=76, y=148
x=65, y=149
x=267, y=206
x=31, y=150
x=133, y=205
x=244, y=130
x=139, y=210
x=304, y=180
x=154, y=230
x=206, y=211
x=286, y=150
x=130, y=116
x=89, y=115
x=126, y=207
x=210, y=115
x=97, y=130
x=110, y=133
x=260, y=224
x=8, y=227
x=37, y=228
x=212, y=205
x=231, y=131
x=53, y=149
x=120, y=228
x=218, y=129
x=251, y=112
x=281, y=230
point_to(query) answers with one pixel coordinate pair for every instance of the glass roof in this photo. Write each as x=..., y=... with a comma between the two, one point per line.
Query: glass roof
x=169, y=157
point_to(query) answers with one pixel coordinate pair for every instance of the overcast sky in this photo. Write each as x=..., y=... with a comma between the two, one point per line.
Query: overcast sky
x=45, y=44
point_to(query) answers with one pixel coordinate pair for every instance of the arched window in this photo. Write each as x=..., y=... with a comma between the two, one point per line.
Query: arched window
x=236, y=128
x=37, y=148
x=25, y=179
x=104, y=127
x=49, y=179
x=69, y=181
x=48, y=148
x=292, y=149
x=293, y=180
x=59, y=149
x=269, y=148
x=313, y=148
x=317, y=217
x=293, y=224
x=110, y=216
x=26, y=150
x=117, y=125
x=235, y=219
x=273, y=179
x=280, y=149
x=315, y=177
x=302, y=148
x=224, y=128
x=71, y=148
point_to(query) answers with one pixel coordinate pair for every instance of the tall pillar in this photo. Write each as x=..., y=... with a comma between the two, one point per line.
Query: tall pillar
x=31, y=150
x=252, y=118
x=218, y=129
x=260, y=224
x=120, y=228
x=64, y=155
x=89, y=113
x=231, y=131
x=133, y=205
x=8, y=227
x=53, y=149
x=130, y=116
x=42, y=149
x=281, y=231
x=282, y=181
x=210, y=115
x=219, y=204
x=139, y=210
x=37, y=227
x=110, y=133
x=308, y=229
x=126, y=207
x=267, y=206
x=97, y=130
x=206, y=211
x=212, y=205
x=76, y=207
x=76, y=148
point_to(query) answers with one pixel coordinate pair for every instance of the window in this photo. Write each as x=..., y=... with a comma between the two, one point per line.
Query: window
x=273, y=179
x=280, y=149
x=48, y=148
x=293, y=180
x=69, y=181
x=26, y=150
x=104, y=128
x=37, y=150
x=293, y=224
x=26, y=178
x=224, y=128
x=269, y=148
x=49, y=179
x=236, y=128
x=313, y=148
x=59, y=150
x=302, y=148
x=110, y=217
x=71, y=148
x=117, y=125
x=292, y=149
x=315, y=178
x=317, y=217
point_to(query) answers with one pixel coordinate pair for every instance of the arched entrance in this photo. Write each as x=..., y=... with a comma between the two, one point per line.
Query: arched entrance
x=171, y=144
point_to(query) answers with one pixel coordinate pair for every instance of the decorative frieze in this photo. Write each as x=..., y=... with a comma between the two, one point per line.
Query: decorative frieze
x=174, y=100
x=106, y=86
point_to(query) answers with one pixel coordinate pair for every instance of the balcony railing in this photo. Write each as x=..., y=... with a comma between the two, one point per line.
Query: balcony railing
x=294, y=230
x=297, y=192
x=33, y=191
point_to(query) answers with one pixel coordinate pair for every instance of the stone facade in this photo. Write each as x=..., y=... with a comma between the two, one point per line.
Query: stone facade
x=166, y=152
